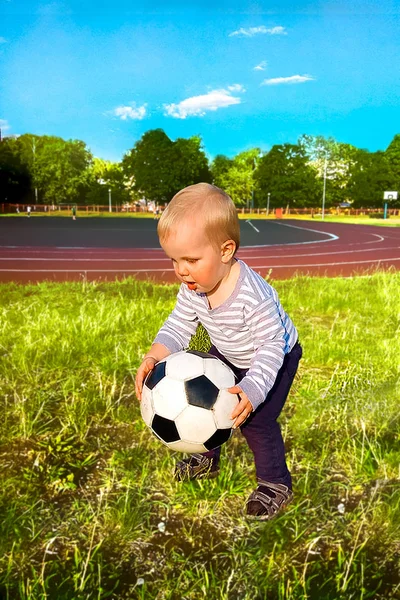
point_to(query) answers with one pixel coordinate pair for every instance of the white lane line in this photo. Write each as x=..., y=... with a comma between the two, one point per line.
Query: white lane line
x=248, y=258
x=330, y=235
x=295, y=266
x=251, y=225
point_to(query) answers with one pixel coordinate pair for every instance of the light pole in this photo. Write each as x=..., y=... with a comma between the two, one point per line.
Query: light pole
x=109, y=200
x=269, y=195
x=252, y=182
x=324, y=189
x=34, y=167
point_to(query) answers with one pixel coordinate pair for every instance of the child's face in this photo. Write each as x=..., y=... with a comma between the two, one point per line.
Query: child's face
x=197, y=263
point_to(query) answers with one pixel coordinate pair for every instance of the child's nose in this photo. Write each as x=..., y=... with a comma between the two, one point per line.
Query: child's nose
x=182, y=270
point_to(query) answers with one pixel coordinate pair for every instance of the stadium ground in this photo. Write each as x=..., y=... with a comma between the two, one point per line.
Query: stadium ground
x=57, y=249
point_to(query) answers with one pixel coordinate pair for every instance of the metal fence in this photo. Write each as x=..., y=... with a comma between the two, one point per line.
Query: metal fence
x=55, y=209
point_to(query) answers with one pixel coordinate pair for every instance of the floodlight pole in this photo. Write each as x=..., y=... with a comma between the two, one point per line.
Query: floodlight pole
x=34, y=167
x=109, y=200
x=324, y=190
x=252, y=184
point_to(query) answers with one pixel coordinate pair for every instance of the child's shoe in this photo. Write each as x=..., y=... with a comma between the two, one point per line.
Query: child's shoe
x=196, y=466
x=268, y=500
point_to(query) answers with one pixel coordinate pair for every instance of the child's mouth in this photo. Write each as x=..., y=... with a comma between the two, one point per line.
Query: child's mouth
x=191, y=285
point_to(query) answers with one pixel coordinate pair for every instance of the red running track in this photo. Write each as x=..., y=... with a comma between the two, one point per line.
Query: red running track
x=347, y=250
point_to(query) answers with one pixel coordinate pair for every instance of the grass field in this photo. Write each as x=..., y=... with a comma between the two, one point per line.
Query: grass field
x=88, y=505
x=393, y=221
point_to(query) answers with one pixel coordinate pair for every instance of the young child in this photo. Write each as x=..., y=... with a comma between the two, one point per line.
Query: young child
x=248, y=328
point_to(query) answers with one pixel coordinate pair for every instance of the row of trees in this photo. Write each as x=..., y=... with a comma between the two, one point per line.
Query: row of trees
x=50, y=170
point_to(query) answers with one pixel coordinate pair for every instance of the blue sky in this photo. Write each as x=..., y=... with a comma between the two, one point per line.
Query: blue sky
x=240, y=74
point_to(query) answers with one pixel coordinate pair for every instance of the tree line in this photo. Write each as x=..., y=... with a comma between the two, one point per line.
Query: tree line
x=51, y=170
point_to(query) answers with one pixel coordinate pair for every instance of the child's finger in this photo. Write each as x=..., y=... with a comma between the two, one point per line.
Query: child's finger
x=138, y=391
x=234, y=390
x=238, y=410
x=139, y=383
x=241, y=419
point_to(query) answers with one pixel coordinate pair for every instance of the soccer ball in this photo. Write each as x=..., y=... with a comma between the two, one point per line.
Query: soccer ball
x=186, y=404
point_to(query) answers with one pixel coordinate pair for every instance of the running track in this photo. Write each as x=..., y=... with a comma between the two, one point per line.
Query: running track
x=31, y=251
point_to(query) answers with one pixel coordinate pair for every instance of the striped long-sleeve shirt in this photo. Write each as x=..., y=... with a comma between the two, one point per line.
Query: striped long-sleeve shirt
x=251, y=329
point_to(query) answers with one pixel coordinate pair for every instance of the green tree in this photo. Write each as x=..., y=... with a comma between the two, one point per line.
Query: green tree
x=161, y=167
x=236, y=176
x=192, y=164
x=371, y=175
x=58, y=168
x=219, y=168
x=62, y=169
x=150, y=162
x=104, y=175
x=286, y=175
x=392, y=155
x=15, y=180
x=331, y=159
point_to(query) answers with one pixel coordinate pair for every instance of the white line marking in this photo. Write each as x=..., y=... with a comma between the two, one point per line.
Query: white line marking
x=161, y=258
x=331, y=235
x=251, y=225
x=340, y=264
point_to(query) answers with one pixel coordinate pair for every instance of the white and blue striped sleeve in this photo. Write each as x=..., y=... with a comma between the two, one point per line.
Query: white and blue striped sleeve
x=270, y=342
x=179, y=327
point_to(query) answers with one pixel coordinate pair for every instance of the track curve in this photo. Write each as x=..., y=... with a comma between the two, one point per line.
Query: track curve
x=327, y=249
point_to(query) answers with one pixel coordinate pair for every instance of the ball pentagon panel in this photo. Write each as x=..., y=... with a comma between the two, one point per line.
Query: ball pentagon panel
x=218, y=438
x=165, y=429
x=184, y=365
x=156, y=375
x=201, y=392
x=195, y=424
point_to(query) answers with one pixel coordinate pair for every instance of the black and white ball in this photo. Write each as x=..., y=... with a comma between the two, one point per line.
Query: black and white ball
x=186, y=404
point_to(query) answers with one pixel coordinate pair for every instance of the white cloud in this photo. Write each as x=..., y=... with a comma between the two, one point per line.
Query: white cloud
x=198, y=106
x=130, y=112
x=4, y=125
x=3, y=40
x=250, y=31
x=236, y=87
x=277, y=31
x=261, y=66
x=292, y=79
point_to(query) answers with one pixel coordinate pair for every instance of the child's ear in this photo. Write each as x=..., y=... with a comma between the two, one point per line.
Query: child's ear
x=228, y=249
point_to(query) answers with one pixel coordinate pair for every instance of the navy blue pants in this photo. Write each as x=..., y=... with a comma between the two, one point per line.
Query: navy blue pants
x=261, y=430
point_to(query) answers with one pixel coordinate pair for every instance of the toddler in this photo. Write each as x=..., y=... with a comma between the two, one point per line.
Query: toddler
x=248, y=328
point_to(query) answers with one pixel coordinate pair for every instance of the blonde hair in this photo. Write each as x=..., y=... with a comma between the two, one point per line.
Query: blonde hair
x=208, y=203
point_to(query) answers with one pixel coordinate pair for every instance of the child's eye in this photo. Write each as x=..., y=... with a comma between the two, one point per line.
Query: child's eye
x=191, y=261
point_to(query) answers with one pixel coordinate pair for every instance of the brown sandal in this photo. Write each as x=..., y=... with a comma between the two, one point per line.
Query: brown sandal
x=268, y=500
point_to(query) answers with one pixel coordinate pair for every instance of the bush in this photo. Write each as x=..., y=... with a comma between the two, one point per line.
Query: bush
x=378, y=216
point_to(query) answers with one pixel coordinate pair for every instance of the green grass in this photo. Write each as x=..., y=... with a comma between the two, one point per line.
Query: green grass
x=393, y=221
x=82, y=214
x=85, y=485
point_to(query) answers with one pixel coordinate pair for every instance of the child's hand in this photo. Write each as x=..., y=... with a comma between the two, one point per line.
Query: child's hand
x=243, y=409
x=147, y=365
